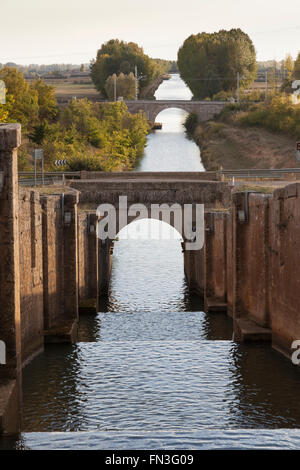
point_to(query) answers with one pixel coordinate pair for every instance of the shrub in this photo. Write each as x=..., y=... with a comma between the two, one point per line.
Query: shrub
x=190, y=123
x=277, y=115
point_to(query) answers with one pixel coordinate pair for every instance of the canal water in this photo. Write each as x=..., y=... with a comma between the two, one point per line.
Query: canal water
x=152, y=370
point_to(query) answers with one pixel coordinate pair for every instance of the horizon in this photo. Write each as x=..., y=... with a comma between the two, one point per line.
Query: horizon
x=68, y=32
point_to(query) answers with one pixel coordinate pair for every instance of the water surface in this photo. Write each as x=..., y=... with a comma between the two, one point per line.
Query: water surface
x=168, y=149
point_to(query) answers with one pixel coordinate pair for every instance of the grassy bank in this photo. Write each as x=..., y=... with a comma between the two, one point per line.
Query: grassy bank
x=148, y=92
x=262, y=136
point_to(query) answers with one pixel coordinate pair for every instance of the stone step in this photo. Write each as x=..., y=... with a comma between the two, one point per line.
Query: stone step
x=214, y=305
x=247, y=330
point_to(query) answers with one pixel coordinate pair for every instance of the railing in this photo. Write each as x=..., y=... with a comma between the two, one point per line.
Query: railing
x=260, y=173
x=27, y=178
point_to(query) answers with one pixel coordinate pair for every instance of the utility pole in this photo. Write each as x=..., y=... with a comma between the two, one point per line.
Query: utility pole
x=238, y=87
x=136, y=82
x=115, y=87
x=266, y=90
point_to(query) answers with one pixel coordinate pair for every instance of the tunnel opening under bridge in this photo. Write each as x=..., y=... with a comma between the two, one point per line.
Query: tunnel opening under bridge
x=172, y=118
x=147, y=249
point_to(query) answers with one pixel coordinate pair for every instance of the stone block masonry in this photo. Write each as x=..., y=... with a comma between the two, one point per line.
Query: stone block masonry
x=10, y=316
x=284, y=265
x=215, y=274
x=235, y=265
x=31, y=274
x=40, y=272
x=52, y=235
x=60, y=265
x=206, y=269
x=205, y=110
x=250, y=264
x=87, y=262
x=194, y=270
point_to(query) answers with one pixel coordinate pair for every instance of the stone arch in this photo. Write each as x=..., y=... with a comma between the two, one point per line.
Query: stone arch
x=205, y=110
x=173, y=214
x=157, y=110
x=105, y=249
x=170, y=225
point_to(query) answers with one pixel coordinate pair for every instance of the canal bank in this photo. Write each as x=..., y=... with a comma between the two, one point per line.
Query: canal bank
x=226, y=143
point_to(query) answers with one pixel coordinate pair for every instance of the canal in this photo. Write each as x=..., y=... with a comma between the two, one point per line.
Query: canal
x=152, y=370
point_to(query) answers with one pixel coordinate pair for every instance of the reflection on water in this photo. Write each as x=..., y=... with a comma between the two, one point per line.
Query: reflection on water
x=159, y=383
x=134, y=287
x=152, y=369
x=168, y=149
x=173, y=89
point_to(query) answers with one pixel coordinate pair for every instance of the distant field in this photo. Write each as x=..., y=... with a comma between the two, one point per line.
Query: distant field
x=83, y=87
x=67, y=88
x=262, y=85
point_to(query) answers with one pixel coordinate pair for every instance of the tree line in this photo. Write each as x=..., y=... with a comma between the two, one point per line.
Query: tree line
x=209, y=63
x=120, y=61
x=106, y=136
x=90, y=136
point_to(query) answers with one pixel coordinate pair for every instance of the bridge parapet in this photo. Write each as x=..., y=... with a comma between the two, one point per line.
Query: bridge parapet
x=205, y=110
x=153, y=190
x=152, y=175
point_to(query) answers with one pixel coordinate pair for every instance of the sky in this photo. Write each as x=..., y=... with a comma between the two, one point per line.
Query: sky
x=71, y=31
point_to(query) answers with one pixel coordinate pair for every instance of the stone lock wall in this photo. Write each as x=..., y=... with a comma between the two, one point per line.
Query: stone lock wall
x=40, y=277
x=215, y=274
x=48, y=265
x=229, y=263
x=58, y=268
x=52, y=236
x=31, y=274
x=251, y=256
x=10, y=316
x=87, y=262
x=250, y=266
x=284, y=268
x=194, y=270
x=205, y=269
x=266, y=267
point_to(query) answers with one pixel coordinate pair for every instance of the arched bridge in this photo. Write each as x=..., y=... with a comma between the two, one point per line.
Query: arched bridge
x=98, y=187
x=167, y=196
x=205, y=110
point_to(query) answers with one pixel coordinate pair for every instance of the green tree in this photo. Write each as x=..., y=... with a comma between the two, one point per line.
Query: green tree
x=115, y=57
x=38, y=133
x=99, y=136
x=296, y=72
x=80, y=116
x=165, y=66
x=289, y=66
x=125, y=86
x=6, y=108
x=28, y=104
x=46, y=100
x=272, y=79
x=3, y=113
x=23, y=99
x=209, y=63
